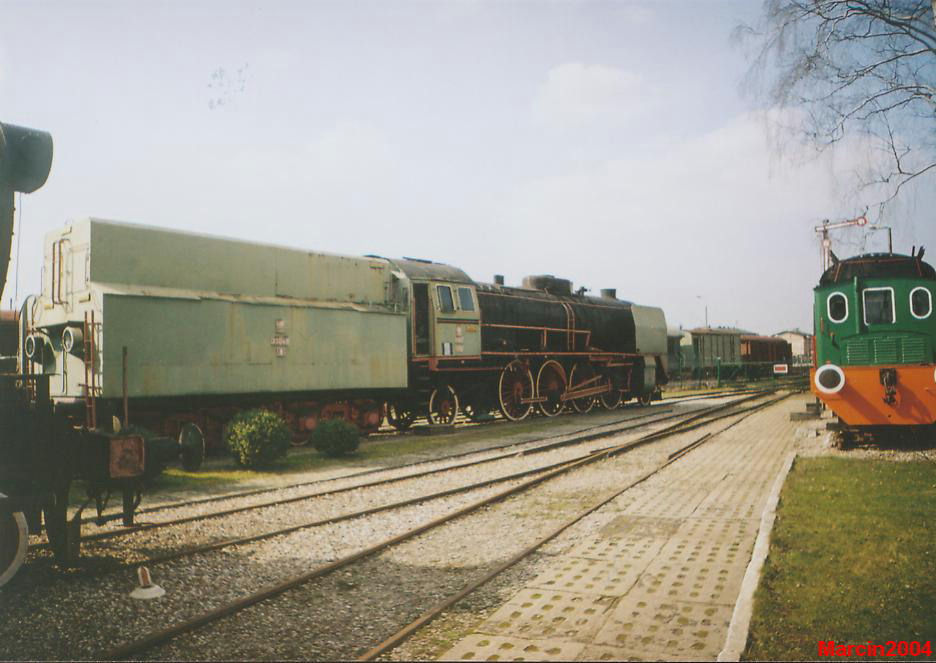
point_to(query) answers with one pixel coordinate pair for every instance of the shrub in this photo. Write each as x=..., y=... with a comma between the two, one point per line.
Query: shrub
x=335, y=437
x=257, y=437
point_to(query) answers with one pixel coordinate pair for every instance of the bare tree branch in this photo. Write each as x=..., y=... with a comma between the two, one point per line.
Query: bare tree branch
x=853, y=68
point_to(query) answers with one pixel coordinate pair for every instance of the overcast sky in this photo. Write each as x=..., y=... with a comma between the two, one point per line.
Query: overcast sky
x=604, y=142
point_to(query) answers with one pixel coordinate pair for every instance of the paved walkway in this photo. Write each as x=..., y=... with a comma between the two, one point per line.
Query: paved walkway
x=660, y=580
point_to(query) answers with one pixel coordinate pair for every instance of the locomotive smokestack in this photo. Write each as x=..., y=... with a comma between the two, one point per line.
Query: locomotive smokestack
x=498, y=279
x=609, y=293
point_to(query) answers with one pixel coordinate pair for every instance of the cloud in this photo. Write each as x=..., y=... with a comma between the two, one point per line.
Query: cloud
x=707, y=215
x=576, y=94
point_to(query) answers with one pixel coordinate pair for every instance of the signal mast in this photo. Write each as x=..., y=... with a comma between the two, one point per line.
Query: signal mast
x=823, y=230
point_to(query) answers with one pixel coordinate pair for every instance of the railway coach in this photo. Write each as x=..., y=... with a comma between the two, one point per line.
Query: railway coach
x=875, y=341
x=176, y=329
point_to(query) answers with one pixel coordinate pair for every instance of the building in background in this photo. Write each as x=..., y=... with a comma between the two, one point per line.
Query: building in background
x=801, y=345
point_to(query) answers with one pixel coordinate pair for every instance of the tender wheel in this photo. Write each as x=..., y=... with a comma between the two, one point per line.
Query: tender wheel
x=443, y=406
x=611, y=399
x=551, y=385
x=582, y=373
x=14, y=535
x=400, y=416
x=192, y=446
x=645, y=398
x=514, y=387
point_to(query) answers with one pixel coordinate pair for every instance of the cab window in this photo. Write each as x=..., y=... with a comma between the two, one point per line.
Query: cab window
x=837, y=307
x=446, y=304
x=921, y=302
x=465, y=302
x=878, y=306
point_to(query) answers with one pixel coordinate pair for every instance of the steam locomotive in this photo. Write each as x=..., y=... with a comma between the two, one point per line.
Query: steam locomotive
x=178, y=331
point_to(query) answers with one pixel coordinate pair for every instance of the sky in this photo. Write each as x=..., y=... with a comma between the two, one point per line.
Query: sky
x=605, y=142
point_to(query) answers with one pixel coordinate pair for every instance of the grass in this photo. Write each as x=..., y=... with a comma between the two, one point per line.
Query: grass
x=852, y=559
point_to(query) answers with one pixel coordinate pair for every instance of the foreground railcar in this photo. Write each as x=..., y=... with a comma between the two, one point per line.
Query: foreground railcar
x=40, y=453
x=875, y=340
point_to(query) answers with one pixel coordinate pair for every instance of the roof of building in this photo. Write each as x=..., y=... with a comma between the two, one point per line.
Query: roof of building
x=798, y=332
x=730, y=331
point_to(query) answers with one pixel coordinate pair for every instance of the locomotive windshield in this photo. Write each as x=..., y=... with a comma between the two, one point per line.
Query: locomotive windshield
x=878, y=306
x=465, y=302
x=446, y=304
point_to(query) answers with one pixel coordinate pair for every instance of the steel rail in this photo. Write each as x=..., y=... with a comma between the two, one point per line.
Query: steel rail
x=574, y=439
x=117, y=515
x=217, y=545
x=158, y=637
x=259, y=491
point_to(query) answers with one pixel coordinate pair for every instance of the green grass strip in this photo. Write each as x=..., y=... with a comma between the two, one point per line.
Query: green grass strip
x=852, y=559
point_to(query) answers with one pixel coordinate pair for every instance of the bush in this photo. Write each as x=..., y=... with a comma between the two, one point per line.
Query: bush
x=257, y=437
x=335, y=437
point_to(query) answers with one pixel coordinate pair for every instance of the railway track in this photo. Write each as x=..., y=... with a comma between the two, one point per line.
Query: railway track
x=685, y=421
x=535, y=478
x=386, y=431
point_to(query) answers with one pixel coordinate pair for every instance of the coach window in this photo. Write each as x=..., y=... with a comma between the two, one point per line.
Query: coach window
x=921, y=303
x=878, y=306
x=837, y=307
x=446, y=304
x=465, y=302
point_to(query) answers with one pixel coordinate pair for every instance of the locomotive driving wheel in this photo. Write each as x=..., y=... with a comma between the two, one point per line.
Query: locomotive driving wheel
x=611, y=399
x=515, y=391
x=14, y=536
x=551, y=385
x=443, y=405
x=582, y=374
x=400, y=415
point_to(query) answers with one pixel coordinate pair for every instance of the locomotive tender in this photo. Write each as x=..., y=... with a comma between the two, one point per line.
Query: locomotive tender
x=875, y=341
x=181, y=329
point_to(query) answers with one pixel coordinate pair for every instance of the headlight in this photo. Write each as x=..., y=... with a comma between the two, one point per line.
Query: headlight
x=829, y=379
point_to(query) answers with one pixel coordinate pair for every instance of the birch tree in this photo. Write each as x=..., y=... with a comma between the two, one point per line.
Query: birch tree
x=854, y=68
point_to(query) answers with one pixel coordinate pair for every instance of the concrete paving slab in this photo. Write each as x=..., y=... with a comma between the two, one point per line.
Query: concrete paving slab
x=660, y=580
x=536, y=613
x=605, y=653
x=657, y=626
x=480, y=647
x=607, y=578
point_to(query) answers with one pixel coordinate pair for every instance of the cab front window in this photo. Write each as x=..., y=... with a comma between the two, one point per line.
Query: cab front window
x=878, y=306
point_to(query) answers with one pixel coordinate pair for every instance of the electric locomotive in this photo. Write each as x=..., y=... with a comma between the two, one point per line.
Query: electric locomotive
x=875, y=341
